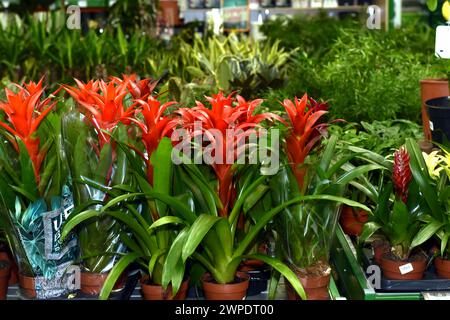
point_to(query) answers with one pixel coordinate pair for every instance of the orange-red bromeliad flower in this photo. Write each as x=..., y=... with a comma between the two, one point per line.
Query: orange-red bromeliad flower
x=103, y=105
x=25, y=111
x=226, y=113
x=305, y=131
x=154, y=126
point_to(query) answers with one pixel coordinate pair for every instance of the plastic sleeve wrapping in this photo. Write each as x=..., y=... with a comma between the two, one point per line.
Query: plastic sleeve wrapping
x=95, y=157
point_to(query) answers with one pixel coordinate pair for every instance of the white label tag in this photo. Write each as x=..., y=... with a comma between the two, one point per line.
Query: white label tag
x=431, y=126
x=436, y=295
x=442, y=46
x=406, y=268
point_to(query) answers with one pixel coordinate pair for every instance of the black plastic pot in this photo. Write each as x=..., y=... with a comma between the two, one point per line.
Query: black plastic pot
x=258, y=281
x=438, y=110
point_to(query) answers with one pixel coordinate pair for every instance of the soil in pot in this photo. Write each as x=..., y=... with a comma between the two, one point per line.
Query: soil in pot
x=231, y=291
x=315, y=281
x=438, y=110
x=4, y=278
x=396, y=269
x=151, y=291
x=92, y=283
x=442, y=267
x=430, y=89
x=353, y=220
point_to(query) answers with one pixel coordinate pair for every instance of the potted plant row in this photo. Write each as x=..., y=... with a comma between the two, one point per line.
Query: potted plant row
x=35, y=190
x=134, y=206
x=195, y=208
x=412, y=208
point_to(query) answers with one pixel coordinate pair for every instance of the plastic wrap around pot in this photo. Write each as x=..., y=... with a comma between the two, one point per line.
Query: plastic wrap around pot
x=305, y=231
x=33, y=208
x=96, y=163
x=34, y=233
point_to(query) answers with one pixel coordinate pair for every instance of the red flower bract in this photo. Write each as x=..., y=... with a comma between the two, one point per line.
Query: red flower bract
x=401, y=174
x=305, y=131
x=139, y=89
x=226, y=113
x=102, y=104
x=25, y=111
x=154, y=126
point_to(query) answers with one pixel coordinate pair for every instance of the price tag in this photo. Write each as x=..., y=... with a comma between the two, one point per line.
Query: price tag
x=436, y=295
x=406, y=268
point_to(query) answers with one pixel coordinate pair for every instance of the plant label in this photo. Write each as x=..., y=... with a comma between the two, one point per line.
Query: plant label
x=442, y=47
x=406, y=268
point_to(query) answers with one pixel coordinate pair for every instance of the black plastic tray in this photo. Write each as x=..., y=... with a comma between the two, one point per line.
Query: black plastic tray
x=430, y=281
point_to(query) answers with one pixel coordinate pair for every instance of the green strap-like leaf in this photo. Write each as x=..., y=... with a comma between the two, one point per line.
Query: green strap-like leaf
x=119, y=199
x=420, y=174
x=163, y=171
x=284, y=270
x=369, y=229
x=155, y=257
x=254, y=230
x=116, y=272
x=165, y=221
x=26, y=171
x=197, y=232
x=76, y=220
x=174, y=257
x=232, y=219
x=104, y=164
x=426, y=233
x=356, y=172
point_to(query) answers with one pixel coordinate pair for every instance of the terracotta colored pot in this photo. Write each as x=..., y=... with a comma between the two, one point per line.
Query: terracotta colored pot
x=170, y=13
x=4, y=278
x=379, y=249
x=391, y=268
x=155, y=292
x=316, y=287
x=13, y=276
x=442, y=267
x=27, y=286
x=352, y=220
x=92, y=283
x=429, y=89
x=232, y=291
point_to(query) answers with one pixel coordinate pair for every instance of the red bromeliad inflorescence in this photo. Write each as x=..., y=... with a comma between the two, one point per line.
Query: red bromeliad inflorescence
x=154, y=126
x=25, y=110
x=306, y=128
x=139, y=89
x=226, y=113
x=401, y=174
x=102, y=104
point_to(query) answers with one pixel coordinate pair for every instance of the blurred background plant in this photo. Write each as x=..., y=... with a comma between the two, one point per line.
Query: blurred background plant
x=365, y=75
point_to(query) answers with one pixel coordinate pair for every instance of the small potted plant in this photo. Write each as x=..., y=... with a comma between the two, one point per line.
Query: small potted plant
x=212, y=238
x=305, y=230
x=145, y=232
x=35, y=190
x=432, y=172
x=102, y=109
x=399, y=220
